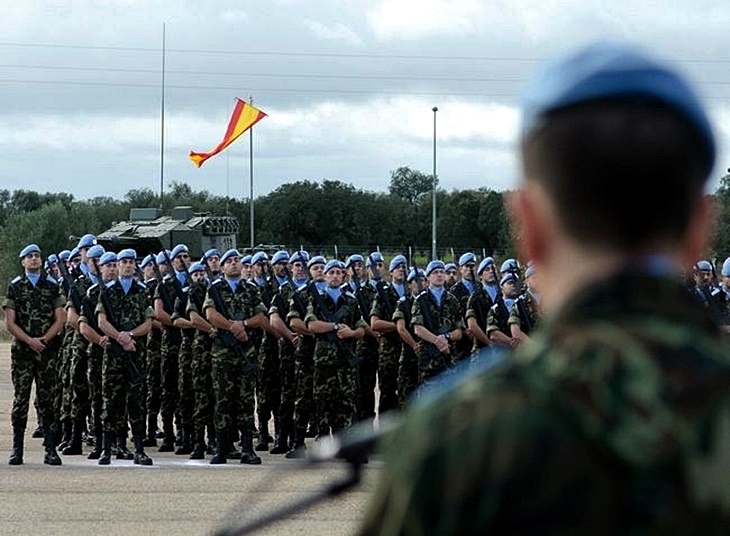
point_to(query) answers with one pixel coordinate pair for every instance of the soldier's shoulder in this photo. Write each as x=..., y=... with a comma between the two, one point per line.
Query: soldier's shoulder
x=141, y=285
x=16, y=280
x=216, y=282
x=51, y=280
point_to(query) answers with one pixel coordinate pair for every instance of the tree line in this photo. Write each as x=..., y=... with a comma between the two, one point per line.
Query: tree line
x=314, y=214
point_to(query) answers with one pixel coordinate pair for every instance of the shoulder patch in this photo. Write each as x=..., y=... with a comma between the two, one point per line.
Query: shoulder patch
x=50, y=279
x=16, y=280
x=141, y=284
x=216, y=282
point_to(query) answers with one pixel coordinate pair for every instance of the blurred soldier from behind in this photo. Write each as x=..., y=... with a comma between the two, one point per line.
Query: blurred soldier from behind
x=34, y=317
x=615, y=419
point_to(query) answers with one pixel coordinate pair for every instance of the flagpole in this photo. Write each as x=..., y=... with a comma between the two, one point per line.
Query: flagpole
x=162, y=122
x=250, y=168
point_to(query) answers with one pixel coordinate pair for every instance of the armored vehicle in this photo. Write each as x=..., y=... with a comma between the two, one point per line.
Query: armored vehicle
x=147, y=230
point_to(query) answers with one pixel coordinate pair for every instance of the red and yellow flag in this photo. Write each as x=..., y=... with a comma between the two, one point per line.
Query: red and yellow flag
x=244, y=116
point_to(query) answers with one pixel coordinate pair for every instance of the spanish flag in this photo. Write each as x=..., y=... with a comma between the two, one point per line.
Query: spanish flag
x=244, y=117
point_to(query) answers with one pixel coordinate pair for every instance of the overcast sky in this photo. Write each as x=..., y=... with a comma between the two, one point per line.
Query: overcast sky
x=348, y=86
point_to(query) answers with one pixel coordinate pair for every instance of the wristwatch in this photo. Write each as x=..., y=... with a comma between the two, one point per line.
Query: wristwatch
x=447, y=335
x=335, y=327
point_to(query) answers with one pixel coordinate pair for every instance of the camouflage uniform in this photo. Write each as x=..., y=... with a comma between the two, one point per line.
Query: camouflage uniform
x=408, y=360
x=366, y=374
x=610, y=423
x=445, y=317
x=234, y=369
x=203, y=396
x=122, y=399
x=333, y=369
x=169, y=370
x=94, y=369
x=186, y=394
x=35, y=309
x=525, y=313
x=498, y=317
x=304, y=410
x=477, y=307
x=390, y=347
x=153, y=360
x=464, y=346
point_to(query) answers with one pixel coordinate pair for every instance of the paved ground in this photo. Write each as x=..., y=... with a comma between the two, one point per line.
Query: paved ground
x=175, y=496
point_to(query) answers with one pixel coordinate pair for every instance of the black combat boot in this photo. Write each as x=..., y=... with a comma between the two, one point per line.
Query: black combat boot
x=106, y=449
x=222, y=445
x=122, y=450
x=282, y=427
x=185, y=446
x=150, y=440
x=168, y=442
x=298, y=449
x=263, y=441
x=198, y=452
x=66, y=431
x=16, y=455
x=38, y=432
x=49, y=442
x=95, y=453
x=140, y=458
x=74, y=446
x=248, y=456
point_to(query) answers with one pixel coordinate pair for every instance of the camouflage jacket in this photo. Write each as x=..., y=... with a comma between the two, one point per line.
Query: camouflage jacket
x=240, y=304
x=350, y=315
x=387, y=311
x=35, y=307
x=437, y=319
x=525, y=313
x=125, y=311
x=615, y=421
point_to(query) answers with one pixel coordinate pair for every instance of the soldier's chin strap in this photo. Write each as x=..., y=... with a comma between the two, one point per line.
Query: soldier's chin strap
x=351, y=445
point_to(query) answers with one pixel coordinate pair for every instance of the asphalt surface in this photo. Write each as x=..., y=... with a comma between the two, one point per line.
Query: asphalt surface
x=175, y=496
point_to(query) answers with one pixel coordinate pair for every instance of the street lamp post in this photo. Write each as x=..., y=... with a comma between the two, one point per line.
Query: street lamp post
x=433, y=196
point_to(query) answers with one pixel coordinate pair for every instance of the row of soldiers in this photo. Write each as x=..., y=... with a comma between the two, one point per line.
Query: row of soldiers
x=215, y=346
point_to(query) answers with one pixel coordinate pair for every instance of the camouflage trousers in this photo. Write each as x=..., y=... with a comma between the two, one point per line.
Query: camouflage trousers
x=169, y=373
x=389, y=355
x=366, y=377
x=304, y=409
x=93, y=376
x=268, y=384
x=122, y=402
x=202, y=381
x=63, y=392
x=27, y=366
x=153, y=358
x=407, y=374
x=334, y=389
x=233, y=385
x=186, y=394
x=287, y=380
x=80, y=406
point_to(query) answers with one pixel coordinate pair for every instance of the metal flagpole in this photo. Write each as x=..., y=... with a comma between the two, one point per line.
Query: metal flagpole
x=433, y=207
x=162, y=122
x=250, y=167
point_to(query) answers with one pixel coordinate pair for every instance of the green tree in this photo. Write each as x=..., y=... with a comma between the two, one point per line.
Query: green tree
x=410, y=185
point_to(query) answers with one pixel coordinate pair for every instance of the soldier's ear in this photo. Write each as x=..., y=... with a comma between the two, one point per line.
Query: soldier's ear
x=530, y=213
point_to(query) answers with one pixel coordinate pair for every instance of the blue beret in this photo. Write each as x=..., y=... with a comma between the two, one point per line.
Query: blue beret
x=412, y=274
x=486, y=261
x=450, y=266
x=64, y=254
x=177, y=250
x=27, y=250
x=212, y=252
x=726, y=268
x=108, y=257
x=127, y=253
x=196, y=267
x=280, y=256
x=704, y=265
x=147, y=260
x=233, y=252
x=246, y=259
x=467, y=257
x=95, y=251
x=375, y=256
x=259, y=256
x=317, y=259
x=52, y=259
x=610, y=71
x=509, y=276
x=161, y=256
x=396, y=262
x=73, y=254
x=353, y=259
x=299, y=256
x=510, y=265
x=86, y=241
x=334, y=263
x=435, y=265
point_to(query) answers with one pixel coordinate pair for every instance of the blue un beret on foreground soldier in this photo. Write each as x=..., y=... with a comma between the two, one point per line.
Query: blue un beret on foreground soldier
x=615, y=419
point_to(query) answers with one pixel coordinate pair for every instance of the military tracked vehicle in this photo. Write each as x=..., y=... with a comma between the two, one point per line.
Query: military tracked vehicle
x=147, y=230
